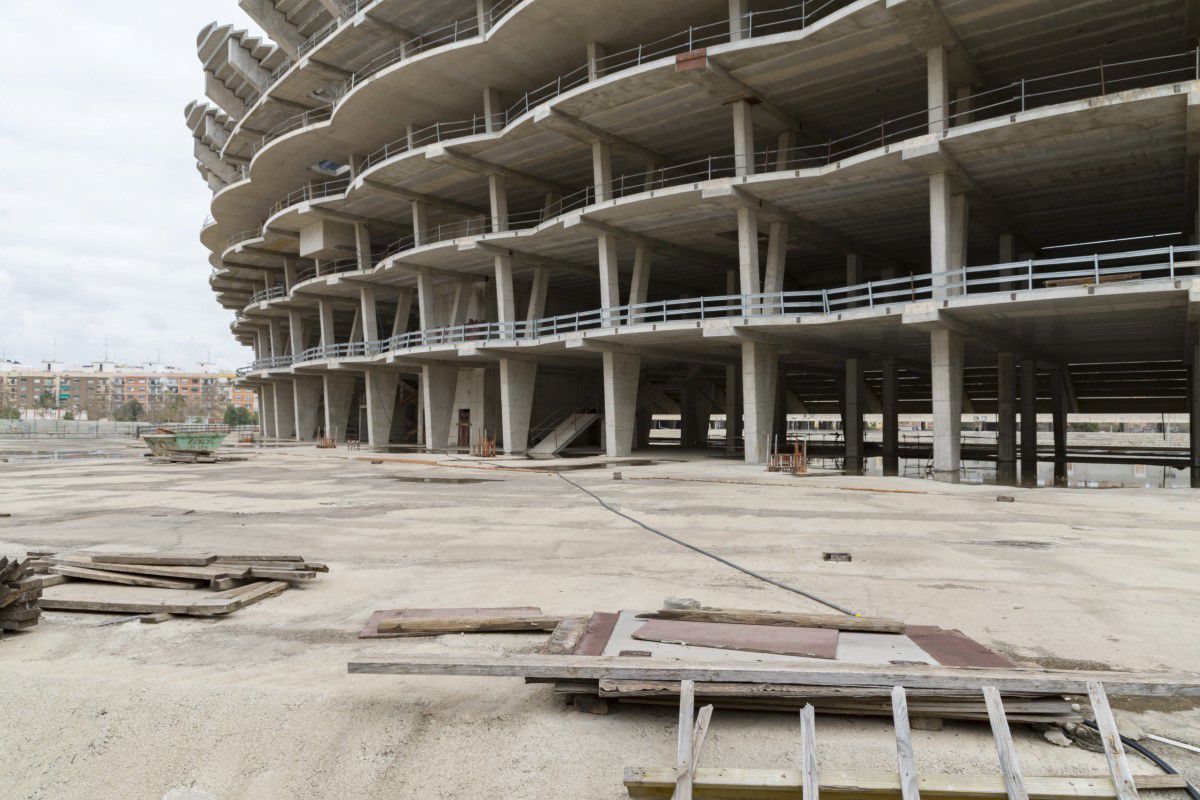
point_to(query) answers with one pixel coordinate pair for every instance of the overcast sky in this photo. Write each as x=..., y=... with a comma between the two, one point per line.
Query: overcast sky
x=101, y=204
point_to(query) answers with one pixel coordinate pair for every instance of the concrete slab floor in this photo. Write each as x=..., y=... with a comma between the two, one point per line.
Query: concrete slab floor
x=260, y=705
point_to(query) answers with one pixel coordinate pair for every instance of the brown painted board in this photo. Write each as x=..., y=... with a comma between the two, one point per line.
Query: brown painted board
x=596, y=635
x=807, y=642
x=371, y=629
x=952, y=648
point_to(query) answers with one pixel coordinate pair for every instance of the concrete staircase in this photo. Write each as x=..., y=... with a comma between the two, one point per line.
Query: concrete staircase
x=562, y=434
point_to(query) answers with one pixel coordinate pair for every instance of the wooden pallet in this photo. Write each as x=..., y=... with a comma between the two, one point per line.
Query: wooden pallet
x=686, y=780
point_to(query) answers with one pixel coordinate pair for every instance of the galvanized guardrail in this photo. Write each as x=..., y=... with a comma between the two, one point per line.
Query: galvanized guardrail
x=1135, y=265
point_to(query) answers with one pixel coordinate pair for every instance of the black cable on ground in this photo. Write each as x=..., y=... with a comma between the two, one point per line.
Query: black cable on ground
x=713, y=556
x=1163, y=765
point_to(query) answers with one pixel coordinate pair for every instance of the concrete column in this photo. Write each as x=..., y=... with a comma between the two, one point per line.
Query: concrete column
x=621, y=374
x=957, y=246
x=403, y=311
x=940, y=223
x=947, y=363
x=296, y=333
x=380, y=390
x=743, y=137
x=890, y=400
x=1059, y=406
x=427, y=301
x=852, y=415
x=339, y=390
x=785, y=144
x=739, y=23
x=289, y=273
x=748, y=270
x=506, y=299
x=367, y=309
x=1006, y=418
x=356, y=329
x=1194, y=411
x=610, y=283
x=266, y=409
x=517, y=380
x=962, y=106
x=306, y=391
x=733, y=409
x=262, y=337
x=760, y=370
x=275, y=328
x=498, y=198
x=482, y=7
x=362, y=246
x=595, y=53
x=602, y=175
x=285, y=410
x=777, y=243
x=1028, y=423
x=538, y=290
x=938, y=88
x=492, y=109
x=420, y=222
x=437, y=398
x=325, y=312
x=639, y=284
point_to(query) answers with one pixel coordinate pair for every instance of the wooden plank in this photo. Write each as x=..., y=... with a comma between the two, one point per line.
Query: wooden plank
x=683, y=750
x=123, y=578
x=838, y=622
x=1040, y=681
x=565, y=637
x=810, y=789
x=159, y=559
x=110, y=606
x=280, y=574
x=238, y=559
x=788, y=641
x=260, y=592
x=906, y=762
x=713, y=782
x=1114, y=752
x=700, y=733
x=1010, y=767
x=879, y=694
x=187, y=573
x=371, y=629
x=434, y=627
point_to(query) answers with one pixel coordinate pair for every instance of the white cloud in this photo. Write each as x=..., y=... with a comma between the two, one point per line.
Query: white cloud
x=100, y=201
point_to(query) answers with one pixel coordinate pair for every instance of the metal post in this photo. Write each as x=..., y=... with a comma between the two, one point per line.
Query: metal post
x=1022, y=94
x=1171, y=260
x=1029, y=268
x=1096, y=267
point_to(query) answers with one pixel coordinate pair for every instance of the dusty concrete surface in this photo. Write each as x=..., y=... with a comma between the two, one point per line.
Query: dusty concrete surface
x=259, y=705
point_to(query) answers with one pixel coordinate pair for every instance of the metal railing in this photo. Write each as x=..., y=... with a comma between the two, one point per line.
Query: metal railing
x=1095, y=269
x=311, y=191
x=242, y=236
x=326, y=268
x=273, y=293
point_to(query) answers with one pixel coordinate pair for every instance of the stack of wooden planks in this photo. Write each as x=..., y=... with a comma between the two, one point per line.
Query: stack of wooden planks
x=685, y=780
x=20, y=595
x=234, y=580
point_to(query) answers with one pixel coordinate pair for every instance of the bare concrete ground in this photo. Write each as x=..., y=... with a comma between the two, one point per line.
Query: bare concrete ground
x=259, y=705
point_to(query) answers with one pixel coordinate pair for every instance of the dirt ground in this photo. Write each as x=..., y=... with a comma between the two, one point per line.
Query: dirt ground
x=259, y=704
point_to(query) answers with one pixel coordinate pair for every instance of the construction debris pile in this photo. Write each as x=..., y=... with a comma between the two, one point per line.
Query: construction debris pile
x=20, y=593
x=201, y=584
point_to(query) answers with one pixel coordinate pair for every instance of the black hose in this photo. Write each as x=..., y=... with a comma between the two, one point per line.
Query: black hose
x=1163, y=765
x=713, y=556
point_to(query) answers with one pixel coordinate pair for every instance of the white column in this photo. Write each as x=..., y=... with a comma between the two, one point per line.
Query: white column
x=325, y=311
x=506, y=299
x=743, y=137
x=940, y=223
x=276, y=334
x=938, y=88
x=852, y=415
x=362, y=246
x=285, y=410
x=748, y=269
x=1006, y=414
x=338, y=394
x=777, y=243
x=595, y=53
x=381, y=403
x=437, y=399
x=267, y=410
x=733, y=409
x=610, y=284
x=498, y=197
x=639, y=284
x=738, y=23
x=296, y=332
x=427, y=301
x=517, y=380
x=602, y=175
x=621, y=374
x=760, y=371
x=420, y=222
x=403, y=310
x=946, y=350
x=370, y=319
x=492, y=109
x=537, y=294
x=306, y=391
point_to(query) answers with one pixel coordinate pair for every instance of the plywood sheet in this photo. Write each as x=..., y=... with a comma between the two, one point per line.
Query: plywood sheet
x=807, y=642
x=597, y=633
x=371, y=629
x=952, y=648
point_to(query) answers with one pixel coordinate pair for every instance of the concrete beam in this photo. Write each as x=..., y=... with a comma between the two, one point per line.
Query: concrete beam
x=656, y=245
x=925, y=315
x=574, y=128
x=326, y=69
x=699, y=69
x=275, y=23
x=926, y=28
x=452, y=206
x=442, y=155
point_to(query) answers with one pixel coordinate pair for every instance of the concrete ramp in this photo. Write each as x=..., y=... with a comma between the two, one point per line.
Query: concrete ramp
x=564, y=433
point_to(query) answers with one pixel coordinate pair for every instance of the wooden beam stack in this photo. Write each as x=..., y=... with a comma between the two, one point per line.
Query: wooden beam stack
x=20, y=595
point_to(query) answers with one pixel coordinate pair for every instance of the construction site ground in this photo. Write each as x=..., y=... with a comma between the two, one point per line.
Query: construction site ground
x=259, y=705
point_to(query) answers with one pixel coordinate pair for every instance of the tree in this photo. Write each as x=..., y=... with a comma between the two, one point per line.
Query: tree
x=46, y=399
x=69, y=415
x=129, y=411
x=236, y=416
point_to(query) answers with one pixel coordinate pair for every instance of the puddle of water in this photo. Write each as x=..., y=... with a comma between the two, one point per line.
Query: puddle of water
x=22, y=456
x=1073, y=476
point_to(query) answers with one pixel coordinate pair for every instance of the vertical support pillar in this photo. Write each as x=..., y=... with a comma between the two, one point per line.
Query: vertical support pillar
x=602, y=178
x=938, y=88
x=743, y=137
x=498, y=197
x=1194, y=410
x=946, y=350
x=482, y=17
x=890, y=400
x=492, y=111
x=733, y=409
x=368, y=311
x=639, y=284
x=306, y=391
x=621, y=374
x=267, y=410
x=296, y=333
x=285, y=410
x=1059, y=405
x=338, y=394
x=325, y=312
x=1029, y=457
x=777, y=243
x=1006, y=418
x=748, y=269
x=941, y=213
x=289, y=274
x=517, y=379
x=760, y=370
x=739, y=21
x=538, y=290
x=854, y=274
x=852, y=415
x=437, y=398
x=381, y=403
x=610, y=283
x=275, y=329
x=420, y=222
x=595, y=54
x=506, y=298
x=403, y=311
x=362, y=246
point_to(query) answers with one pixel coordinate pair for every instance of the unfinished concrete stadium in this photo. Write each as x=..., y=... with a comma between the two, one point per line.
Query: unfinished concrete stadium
x=546, y=221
